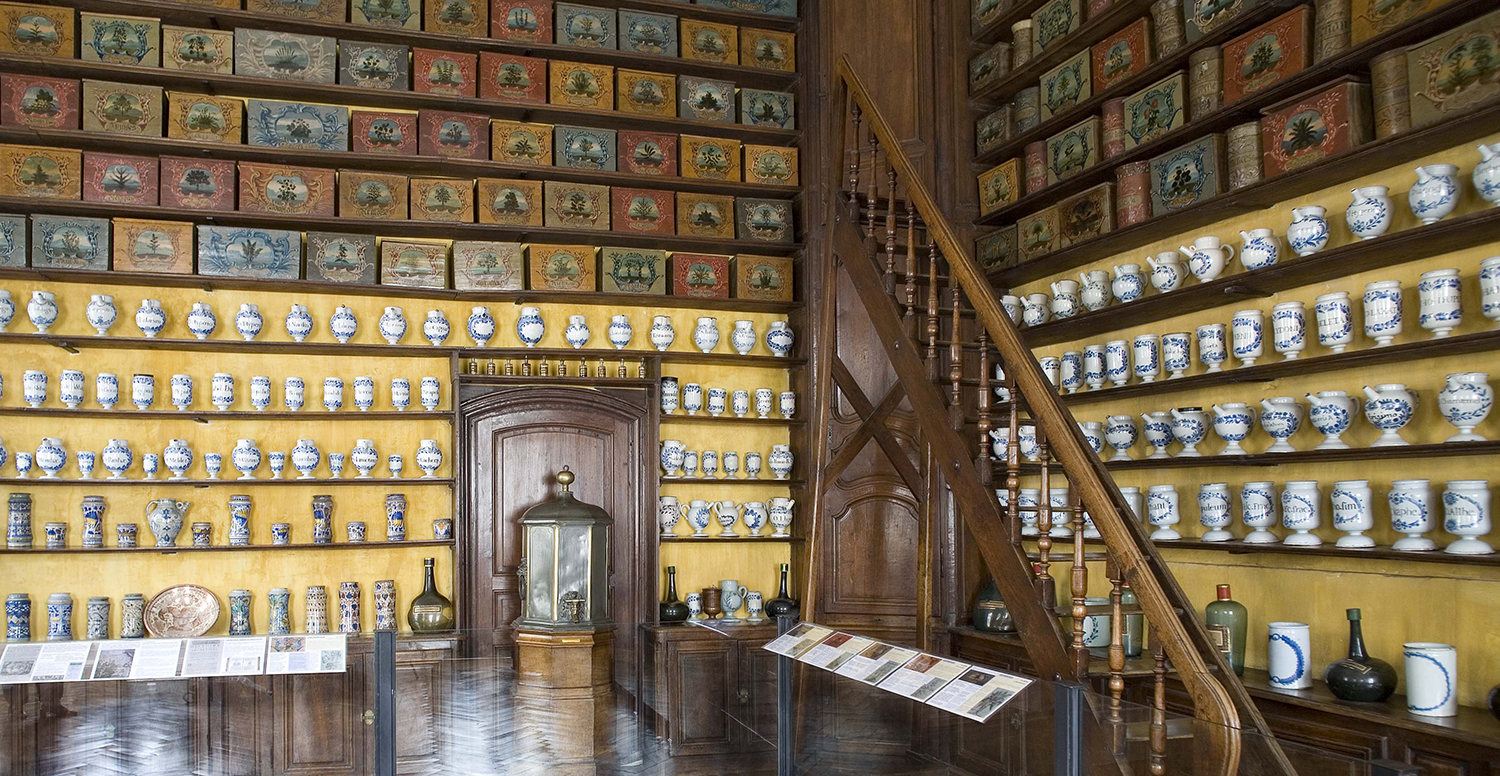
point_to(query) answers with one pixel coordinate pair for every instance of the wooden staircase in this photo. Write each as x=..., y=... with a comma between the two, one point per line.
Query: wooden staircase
x=938, y=320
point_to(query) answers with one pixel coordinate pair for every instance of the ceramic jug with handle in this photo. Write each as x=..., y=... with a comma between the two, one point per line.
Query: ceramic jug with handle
x=1435, y=194
x=1259, y=249
x=1094, y=293
x=1166, y=271
x=164, y=516
x=1128, y=284
x=1207, y=258
x=1487, y=174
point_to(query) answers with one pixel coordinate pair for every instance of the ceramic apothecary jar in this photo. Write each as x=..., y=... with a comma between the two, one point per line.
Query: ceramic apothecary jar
x=1435, y=194
x=1369, y=213
x=1465, y=401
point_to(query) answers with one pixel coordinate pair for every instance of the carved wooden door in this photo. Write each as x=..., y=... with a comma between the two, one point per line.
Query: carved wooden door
x=515, y=441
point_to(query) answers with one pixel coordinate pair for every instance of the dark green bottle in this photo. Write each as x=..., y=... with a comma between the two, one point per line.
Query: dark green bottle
x=783, y=603
x=1360, y=677
x=990, y=613
x=430, y=611
x=1227, y=621
x=673, y=610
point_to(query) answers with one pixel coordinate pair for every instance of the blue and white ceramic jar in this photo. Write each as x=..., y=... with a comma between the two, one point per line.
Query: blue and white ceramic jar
x=1280, y=416
x=1214, y=512
x=354, y=531
x=1146, y=356
x=781, y=461
x=1259, y=248
x=150, y=318
x=395, y=517
x=178, y=457
x=529, y=327
x=60, y=617
x=662, y=333
x=5, y=454
x=18, y=521
x=18, y=617
x=692, y=398
x=293, y=393
x=322, y=519
x=400, y=393
x=1117, y=362
x=245, y=458
x=1258, y=511
x=298, y=322
x=56, y=534
x=1232, y=423
x=343, y=325
x=577, y=332
x=133, y=616
x=106, y=390
x=442, y=529
x=1334, y=318
x=1308, y=232
x=23, y=464
x=1369, y=214
x=431, y=393
x=96, y=615
x=364, y=392
x=1435, y=194
x=1382, y=311
x=1352, y=512
x=42, y=310
x=260, y=392
x=365, y=457
x=1246, y=335
x=142, y=391
x=333, y=393
x=1289, y=329
x=384, y=594
x=779, y=339
x=93, y=522
x=239, y=612
x=706, y=334
x=201, y=320
x=34, y=387
x=165, y=518
x=1162, y=512
x=305, y=458
x=248, y=321
x=51, y=457
x=70, y=388
x=436, y=327
x=1486, y=176
x=349, y=621
x=393, y=325
x=117, y=458
x=1431, y=678
x=1301, y=512
x=279, y=621
x=620, y=331
x=315, y=619
x=126, y=535
x=429, y=458
x=7, y=309
x=1440, y=301
x=202, y=534
x=1466, y=514
x=1189, y=427
x=1465, y=401
x=743, y=338
x=239, y=520
x=1167, y=273
x=101, y=312
x=1331, y=413
x=181, y=387
x=1289, y=656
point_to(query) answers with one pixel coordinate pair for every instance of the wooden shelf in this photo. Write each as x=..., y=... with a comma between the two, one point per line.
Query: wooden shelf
x=1062, y=549
x=1263, y=371
x=999, y=29
x=413, y=228
x=1342, y=261
x=298, y=91
x=230, y=479
x=725, y=15
x=711, y=539
x=405, y=164
x=209, y=416
x=72, y=343
x=211, y=283
x=151, y=550
x=591, y=382
x=794, y=482
x=731, y=420
x=1403, y=453
x=222, y=18
x=1094, y=29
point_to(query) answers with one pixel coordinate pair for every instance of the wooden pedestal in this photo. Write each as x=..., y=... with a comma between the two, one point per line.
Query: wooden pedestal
x=564, y=699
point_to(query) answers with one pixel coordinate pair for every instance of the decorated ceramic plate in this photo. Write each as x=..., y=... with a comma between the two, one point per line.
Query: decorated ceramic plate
x=182, y=612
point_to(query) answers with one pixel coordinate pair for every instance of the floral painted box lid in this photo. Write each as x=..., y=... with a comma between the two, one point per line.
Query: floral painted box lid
x=767, y=220
x=1073, y=150
x=1122, y=55
x=1310, y=127
x=383, y=132
x=1188, y=175
x=710, y=158
x=705, y=215
x=648, y=33
x=761, y=108
x=375, y=65
x=786, y=8
x=444, y=72
x=375, y=195
x=12, y=240
x=529, y=21
x=1066, y=85
x=1203, y=17
x=285, y=56
x=1054, y=21
x=70, y=242
x=510, y=202
x=633, y=271
x=336, y=257
x=766, y=278
x=1086, y=215
x=582, y=85
x=197, y=50
x=287, y=190
x=1267, y=54
x=142, y=245
x=512, y=77
x=119, y=40
x=119, y=179
x=997, y=250
x=454, y=135
x=643, y=211
x=40, y=172
x=583, y=148
x=464, y=18
x=1455, y=72
x=1037, y=234
x=577, y=206
x=249, y=252
x=199, y=184
x=442, y=199
x=39, y=101
x=989, y=65
x=773, y=165
x=122, y=109
x=768, y=49
x=647, y=94
x=518, y=142
x=585, y=26
x=705, y=99
x=205, y=118
x=488, y=266
x=36, y=30
x=703, y=275
x=413, y=264
x=710, y=42
x=1156, y=110
x=298, y=125
x=312, y=10
x=648, y=153
x=562, y=267
x=993, y=129
x=1370, y=18
x=390, y=14
x=999, y=186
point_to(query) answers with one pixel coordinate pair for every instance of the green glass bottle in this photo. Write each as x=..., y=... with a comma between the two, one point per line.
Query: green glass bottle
x=673, y=610
x=1227, y=622
x=430, y=611
x=783, y=603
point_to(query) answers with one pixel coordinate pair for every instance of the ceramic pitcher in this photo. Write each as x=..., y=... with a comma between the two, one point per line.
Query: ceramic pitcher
x=1095, y=291
x=1207, y=258
x=164, y=517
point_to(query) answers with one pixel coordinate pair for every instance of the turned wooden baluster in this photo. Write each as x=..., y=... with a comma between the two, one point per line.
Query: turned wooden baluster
x=1013, y=460
x=982, y=401
x=933, y=254
x=1044, y=522
x=854, y=163
x=956, y=358
x=1158, y=743
x=890, y=230
x=910, y=317
x=1080, y=579
x=872, y=195
x=1116, y=648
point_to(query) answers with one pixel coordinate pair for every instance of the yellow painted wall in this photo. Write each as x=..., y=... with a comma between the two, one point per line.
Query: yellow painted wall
x=87, y=575
x=1402, y=600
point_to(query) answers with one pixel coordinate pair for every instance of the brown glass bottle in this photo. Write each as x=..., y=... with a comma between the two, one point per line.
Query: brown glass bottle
x=783, y=603
x=430, y=611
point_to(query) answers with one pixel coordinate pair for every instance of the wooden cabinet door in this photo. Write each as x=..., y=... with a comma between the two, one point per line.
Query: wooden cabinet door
x=423, y=681
x=153, y=715
x=703, y=696
x=318, y=724
x=757, y=696
x=231, y=725
x=78, y=728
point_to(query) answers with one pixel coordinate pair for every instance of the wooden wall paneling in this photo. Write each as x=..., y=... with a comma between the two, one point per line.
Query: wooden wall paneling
x=317, y=724
x=893, y=38
x=152, y=716
x=424, y=684
x=78, y=725
x=704, y=675
x=229, y=731
x=517, y=440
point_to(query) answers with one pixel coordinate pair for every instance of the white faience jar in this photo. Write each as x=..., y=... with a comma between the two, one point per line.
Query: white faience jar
x=1411, y=509
x=178, y=457
x=1353, y=514
x=42, y=310
x=201, y=320
x=1000, y=443
x=1466, y=514
x=429, y=458
x=1012, y=305
x=1331, y=413
x=364, y=457
x=1176, y=354
x=1166, y=271
x=1289, y=656
x=1465, y=401
x=706, y=334
x=1435, y=194
x=1117, y=362
x=1094, y=290
x=1162, y=512
x=1207, y=257
x=1431, y=678
x=1214, y=512
x=248, y=321
x=1308, y=232
x=781, y=515
x=393, y=325
x=699, y=516
x=1369, y=213
x=1232, y=422
x=1389, y=407
x=1065, y=302
x=1289, y=329
x=364, y=393
x=1093, y=372
x=668, y=513
x=1335, y=320
x=1246, y=331
x=1093, y=433
x=529, y=327
x=1120, y=433
x=1212, y=350
x=692, y=398
x=1157, y=429
x=51, y=457
x=1028, y=497
x=7, y=309
x=293, y=393
x=1440, y=300
x=481, y=325
x=743, y=337
x=661, y=332
x=1134, y=501
x=671, y=457
x=1146, y=350
x=780, y=461
x=1280, y=417
x=1057, y=501
x=1487, y=174
x=1301, y=512
x=298, y=322
x=1489, y=289
x=1258, y=511
x=755, y=516
x=1035, y=309
x=333, y=393
x=436, y=328
x=1382, y=303
x=786, y=404
x=343, y=324
x=1070, y=373
x=620, y=331
x=142, y=391
x=1189, y=426
x=431, y=393
x=400, y=393
x=182, y=391
x=70, y=388
x=117, y=458
x=101, y=313
x=305, y=458
x=106, y=390
x=150, y=318
x=1051, y=367
x=1259, y=248
x=577, y=332
x=1128, y=284
x=245, y=458
x=779, y=339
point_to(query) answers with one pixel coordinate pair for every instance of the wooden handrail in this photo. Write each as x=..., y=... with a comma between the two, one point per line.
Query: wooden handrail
x=1218, y=700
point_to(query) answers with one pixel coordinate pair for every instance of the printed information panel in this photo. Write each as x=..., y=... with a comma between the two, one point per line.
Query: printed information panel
x=69, y=661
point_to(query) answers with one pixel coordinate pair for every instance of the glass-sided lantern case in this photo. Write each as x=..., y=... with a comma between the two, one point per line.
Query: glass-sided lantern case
x=567, y=563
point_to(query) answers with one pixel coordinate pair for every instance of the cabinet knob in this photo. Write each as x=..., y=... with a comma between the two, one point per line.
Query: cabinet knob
x=744, y=695
x=368, y=717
